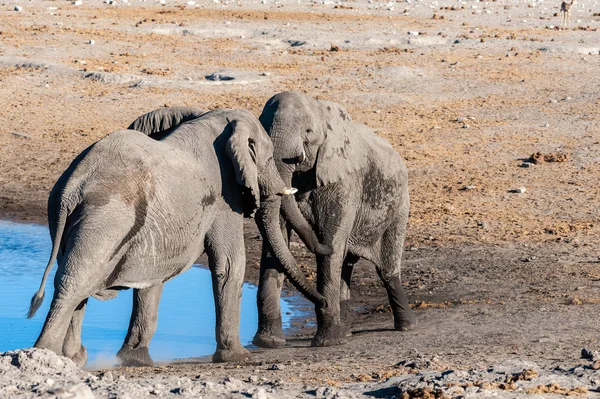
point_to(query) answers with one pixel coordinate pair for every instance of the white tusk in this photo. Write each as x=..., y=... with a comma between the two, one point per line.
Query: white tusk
x=302, y=156
x=289, y=191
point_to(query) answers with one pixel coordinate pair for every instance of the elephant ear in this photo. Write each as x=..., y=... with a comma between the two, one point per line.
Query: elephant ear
x=242, y=150
x=161, y=121
x=342, y=152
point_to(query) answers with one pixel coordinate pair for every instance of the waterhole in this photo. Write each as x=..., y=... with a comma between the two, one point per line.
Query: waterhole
x=186, y=321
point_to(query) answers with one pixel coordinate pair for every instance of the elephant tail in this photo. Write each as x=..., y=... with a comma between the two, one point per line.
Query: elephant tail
x=38, y=297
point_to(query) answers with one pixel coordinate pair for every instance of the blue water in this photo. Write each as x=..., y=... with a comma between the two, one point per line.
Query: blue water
x=186, y=321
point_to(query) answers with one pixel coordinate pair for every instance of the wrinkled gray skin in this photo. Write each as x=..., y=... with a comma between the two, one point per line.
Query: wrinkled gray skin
x=353, y=191
x=133, y=212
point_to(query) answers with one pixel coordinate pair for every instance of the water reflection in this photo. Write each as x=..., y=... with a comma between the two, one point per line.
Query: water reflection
x=186, y=314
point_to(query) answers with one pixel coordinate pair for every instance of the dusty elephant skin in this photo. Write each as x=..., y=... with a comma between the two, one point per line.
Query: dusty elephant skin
x=133, y=212
x=465, y=91
x=353, y=191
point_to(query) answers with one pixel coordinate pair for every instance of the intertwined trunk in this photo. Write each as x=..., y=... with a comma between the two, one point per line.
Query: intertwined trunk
x=294, y=217
x=267, y=218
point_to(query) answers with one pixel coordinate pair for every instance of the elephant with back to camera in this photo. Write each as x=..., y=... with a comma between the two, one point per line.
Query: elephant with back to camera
x=133, y=212
x=352, y=192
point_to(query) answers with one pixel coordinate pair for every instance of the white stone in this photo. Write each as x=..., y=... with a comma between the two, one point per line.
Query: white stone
x=18, y=8
x=91, y=41
x=77, y=2
x=520, y=190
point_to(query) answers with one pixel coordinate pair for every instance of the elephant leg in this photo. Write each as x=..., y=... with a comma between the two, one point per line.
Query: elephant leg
x=388, y=270
x=72, y=347
x=347, y=268
x=227, y=260
x=270, y=328
x=142, y=325
x=330, y=330
x=60, y=316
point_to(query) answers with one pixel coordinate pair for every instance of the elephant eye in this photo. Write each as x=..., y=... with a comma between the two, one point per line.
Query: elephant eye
x=309, y=130
x=252, y=148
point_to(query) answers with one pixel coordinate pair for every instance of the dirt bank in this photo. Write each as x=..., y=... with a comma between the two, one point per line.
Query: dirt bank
x=466, y=92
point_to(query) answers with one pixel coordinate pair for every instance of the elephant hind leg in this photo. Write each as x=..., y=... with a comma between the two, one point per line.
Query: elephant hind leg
x=72, y=347
x=142, y=325
x=346, y=312
x=388, y=270
x=60, y=319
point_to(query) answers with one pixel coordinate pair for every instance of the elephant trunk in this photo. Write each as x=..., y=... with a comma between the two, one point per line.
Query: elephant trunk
x=267, y=218
x=294, y=217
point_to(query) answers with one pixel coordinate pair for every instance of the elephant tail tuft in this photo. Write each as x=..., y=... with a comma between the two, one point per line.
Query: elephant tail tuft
x=36, y=302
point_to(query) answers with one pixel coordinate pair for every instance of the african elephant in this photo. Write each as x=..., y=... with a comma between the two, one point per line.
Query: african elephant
x=352, y=192
x=133, y=212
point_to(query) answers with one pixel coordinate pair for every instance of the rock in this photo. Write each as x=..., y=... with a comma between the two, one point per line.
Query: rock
x=218, y=77
x=259, y=394
x=18, y=8
x=276, y=367
x=519, y=190
x=77, y=2
x=539, y=157
x=326, y=393
x=78, y=391
x=295, y=43
x=526, y=165
x=469, y=187
x=589, y=354
x=91, y=41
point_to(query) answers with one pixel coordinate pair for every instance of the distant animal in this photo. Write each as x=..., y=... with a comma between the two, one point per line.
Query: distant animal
x=133, y=212
x=352, y=192
x=565, y=12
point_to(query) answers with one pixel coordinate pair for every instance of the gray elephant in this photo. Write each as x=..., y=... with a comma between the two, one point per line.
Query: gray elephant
x=133, y=212
x=352, y=192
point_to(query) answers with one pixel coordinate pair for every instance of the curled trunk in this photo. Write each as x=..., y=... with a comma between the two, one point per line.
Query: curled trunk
x=294, y=217
x=267, y=219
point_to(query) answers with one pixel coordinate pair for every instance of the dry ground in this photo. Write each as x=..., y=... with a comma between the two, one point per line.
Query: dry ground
x=464, y=91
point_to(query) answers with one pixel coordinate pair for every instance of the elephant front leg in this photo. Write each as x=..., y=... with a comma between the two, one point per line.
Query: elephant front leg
x=142, y=325
x=227, y=265
x=330, y=329
x=270, y=329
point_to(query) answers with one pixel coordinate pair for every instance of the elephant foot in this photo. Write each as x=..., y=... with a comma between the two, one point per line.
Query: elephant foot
x=231, y=355
x=79, y=357
x=138, y=357
x=405, y=322
x=265, y=340
x=330, y=336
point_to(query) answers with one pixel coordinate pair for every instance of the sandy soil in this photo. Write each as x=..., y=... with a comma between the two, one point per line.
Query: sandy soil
x=466, y=91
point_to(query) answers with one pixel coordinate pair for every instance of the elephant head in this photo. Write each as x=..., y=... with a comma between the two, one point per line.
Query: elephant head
x=314, y=139
x=251, y=151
